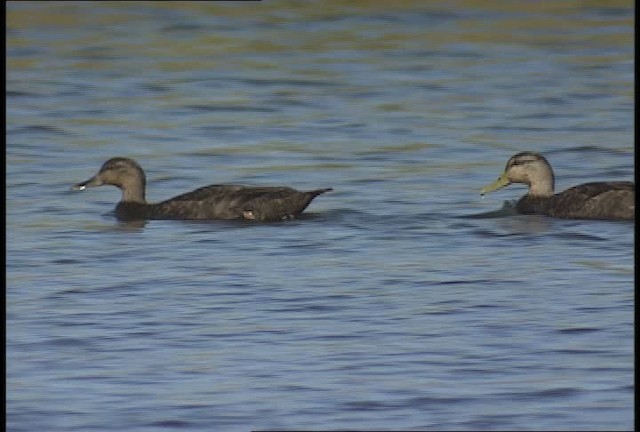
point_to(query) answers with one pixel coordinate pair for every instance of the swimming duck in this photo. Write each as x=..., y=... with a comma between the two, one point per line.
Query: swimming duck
x=209, y=202
x=598, y=200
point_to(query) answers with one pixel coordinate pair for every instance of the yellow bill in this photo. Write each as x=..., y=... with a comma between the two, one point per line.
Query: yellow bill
x=502, y=181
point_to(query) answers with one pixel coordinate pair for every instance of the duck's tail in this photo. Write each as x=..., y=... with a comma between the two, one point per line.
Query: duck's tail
x=315, y=193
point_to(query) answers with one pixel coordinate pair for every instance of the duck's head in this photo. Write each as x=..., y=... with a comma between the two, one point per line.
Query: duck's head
x=529, y=168
x=123, y=173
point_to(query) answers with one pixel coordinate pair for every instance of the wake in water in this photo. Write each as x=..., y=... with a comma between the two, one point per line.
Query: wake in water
x=508, y=209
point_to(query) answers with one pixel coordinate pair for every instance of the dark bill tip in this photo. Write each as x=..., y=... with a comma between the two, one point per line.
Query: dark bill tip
x=93, y=181
x=79, y=186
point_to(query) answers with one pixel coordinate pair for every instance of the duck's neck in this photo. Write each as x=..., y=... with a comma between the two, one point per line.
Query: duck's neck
x=134, y=191
x=541, y=181
x=541, y=188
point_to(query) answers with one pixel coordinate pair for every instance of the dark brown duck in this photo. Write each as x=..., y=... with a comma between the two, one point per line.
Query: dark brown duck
x=598, y=200
x=209, y=202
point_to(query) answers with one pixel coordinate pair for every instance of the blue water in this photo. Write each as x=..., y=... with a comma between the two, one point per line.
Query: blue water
x=399, y=301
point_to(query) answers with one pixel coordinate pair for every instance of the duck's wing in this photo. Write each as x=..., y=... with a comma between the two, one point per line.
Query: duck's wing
x=597, y=200
x=278, y=203
x=207, y=192
x=236, y=202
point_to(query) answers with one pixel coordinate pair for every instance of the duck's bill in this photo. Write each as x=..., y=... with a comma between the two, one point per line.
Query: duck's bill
x=502, y=181
x=93, y=181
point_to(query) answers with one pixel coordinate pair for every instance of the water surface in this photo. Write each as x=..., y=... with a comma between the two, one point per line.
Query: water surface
x=401, y=300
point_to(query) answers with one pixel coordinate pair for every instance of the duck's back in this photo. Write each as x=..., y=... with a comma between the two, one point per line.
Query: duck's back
x=235, y=202
x=598, y=200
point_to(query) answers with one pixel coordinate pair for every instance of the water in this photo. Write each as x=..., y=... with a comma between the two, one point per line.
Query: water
x=401, y=300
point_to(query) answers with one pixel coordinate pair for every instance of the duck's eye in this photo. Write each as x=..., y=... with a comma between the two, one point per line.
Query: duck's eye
x=519, y=162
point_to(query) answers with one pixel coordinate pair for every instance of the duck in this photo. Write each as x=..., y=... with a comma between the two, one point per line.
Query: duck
x=605, y=200
x=224, y=201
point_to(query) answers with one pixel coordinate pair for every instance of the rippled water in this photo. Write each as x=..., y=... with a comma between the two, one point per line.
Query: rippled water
x=399, y=301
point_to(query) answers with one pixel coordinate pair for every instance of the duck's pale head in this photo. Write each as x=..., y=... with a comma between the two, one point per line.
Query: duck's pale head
x=529, y=168
x=123, y=173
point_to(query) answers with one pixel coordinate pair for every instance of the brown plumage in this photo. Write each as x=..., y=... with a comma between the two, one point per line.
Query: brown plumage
x=210, y=202
x=597, y=200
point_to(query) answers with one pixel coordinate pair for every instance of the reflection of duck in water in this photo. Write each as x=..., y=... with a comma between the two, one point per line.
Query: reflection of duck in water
x=209, y=202
x=598, y=200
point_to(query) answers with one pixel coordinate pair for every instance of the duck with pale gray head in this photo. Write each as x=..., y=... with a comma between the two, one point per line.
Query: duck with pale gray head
x=261, y=203
x=613, y=200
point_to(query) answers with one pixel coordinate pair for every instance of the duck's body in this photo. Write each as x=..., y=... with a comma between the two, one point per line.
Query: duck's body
x=597, y=200
x=205, y=203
